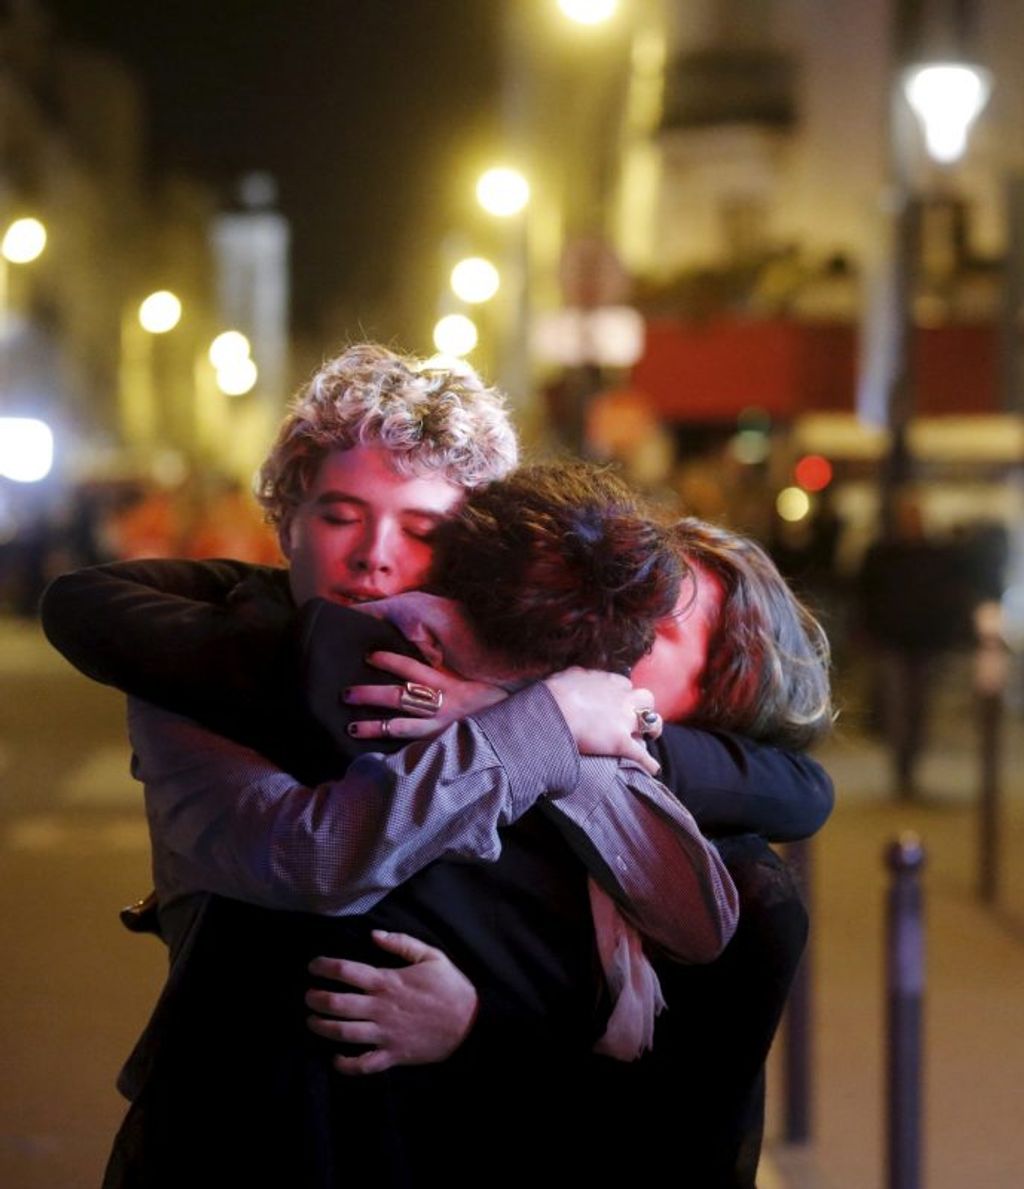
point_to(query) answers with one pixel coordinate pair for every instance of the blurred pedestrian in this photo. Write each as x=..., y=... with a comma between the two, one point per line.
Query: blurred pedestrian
x=914, y=605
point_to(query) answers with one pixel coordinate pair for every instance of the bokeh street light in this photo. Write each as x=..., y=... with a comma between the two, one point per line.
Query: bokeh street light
x=947, y=97
x=588, y=12
x=237, y=376
x=503, y=191
x=475, y=279
x=792, y=504
x=24, y=241
x=228, y=347
x=455, y=334
x=26, y=449
x=160, y=312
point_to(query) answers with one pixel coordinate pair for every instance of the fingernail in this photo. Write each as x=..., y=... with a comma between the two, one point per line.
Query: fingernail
x=352, y=728
x=345, y=694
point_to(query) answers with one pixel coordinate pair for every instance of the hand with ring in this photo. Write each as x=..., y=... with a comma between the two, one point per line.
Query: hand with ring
x=649, y=723
x=606, y=714
x=425, y=701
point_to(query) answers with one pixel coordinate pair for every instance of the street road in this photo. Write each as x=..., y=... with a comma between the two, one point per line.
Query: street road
x=75, y=987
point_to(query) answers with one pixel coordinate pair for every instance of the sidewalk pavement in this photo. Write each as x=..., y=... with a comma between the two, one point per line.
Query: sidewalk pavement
x=973, y=1129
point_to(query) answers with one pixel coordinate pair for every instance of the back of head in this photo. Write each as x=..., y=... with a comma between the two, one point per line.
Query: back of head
x=768, y=658
x=557, y=566
x=432, y=420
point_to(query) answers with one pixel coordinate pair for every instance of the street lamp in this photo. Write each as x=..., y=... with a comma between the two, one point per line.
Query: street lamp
x=947, y=97
x=455, y=334
x=26, y=449
x=503, y=192
x=228, y=347
x=475, y=280
x=140, y=408
x=237, y=376
x=24, y=241
x=160, y=312
x=588, y=12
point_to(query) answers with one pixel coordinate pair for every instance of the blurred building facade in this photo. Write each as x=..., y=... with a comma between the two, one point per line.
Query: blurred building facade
x=120, y=399
x=741, y=175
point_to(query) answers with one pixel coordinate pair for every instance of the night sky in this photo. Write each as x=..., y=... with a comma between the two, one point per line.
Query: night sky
x=364, y=110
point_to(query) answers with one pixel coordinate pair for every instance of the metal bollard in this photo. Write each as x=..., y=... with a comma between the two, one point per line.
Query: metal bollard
x=905, y=995
x=797, y=1052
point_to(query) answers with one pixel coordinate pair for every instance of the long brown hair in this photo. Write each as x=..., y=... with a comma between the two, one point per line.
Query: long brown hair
x=767, y=672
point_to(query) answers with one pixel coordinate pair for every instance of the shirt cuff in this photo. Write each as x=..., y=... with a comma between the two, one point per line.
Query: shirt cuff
x=533, y=744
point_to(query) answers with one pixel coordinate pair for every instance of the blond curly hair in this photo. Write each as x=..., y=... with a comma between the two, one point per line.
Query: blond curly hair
x=432, y=420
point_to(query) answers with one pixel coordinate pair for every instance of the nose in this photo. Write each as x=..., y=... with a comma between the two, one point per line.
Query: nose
x=375, y=552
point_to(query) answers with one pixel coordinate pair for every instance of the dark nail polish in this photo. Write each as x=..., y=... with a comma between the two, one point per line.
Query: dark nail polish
x=351, y=728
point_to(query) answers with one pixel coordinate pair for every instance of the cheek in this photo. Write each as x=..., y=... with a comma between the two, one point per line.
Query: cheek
x=416, y=562
x=671, y=671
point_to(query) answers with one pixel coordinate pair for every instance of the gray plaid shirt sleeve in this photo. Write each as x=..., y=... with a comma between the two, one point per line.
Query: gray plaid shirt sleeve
x=223, y=819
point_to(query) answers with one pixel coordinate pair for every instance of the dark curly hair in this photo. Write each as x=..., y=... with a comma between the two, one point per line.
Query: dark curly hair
x=559, y=565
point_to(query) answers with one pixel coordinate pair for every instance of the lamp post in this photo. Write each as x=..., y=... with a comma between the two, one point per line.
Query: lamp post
x=946, y=97
x=23, y=241
x=156, y=315
x=504, y=193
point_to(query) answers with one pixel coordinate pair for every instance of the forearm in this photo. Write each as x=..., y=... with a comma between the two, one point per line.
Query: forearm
x=646, y=851
x=733, y=785
x=225, y=820
x=168, y=631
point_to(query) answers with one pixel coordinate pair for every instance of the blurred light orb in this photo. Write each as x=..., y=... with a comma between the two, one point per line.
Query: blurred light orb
x=228, y=348
x=813, y=472
x=26, y=449
x=947, y=98
x=792, y=504
x=160, y=312
x=23, y=241
x=503, y=192
x=750, y=446
x=475, y=279
x=236, y=377
x=588, y=12
x=455, y=334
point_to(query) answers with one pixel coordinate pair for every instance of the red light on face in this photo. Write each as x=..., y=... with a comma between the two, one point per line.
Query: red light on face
x=813, y=472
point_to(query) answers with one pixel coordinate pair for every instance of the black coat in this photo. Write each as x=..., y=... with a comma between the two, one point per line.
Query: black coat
x=233, y=1071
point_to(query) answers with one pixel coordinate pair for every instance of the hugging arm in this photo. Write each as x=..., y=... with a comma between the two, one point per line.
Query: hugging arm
x=232, y=823
x=229, y=821
x=733, y=785
x=211, y=639
x=216, y=641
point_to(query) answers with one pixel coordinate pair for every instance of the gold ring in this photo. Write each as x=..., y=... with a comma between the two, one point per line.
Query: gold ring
x=422, y=699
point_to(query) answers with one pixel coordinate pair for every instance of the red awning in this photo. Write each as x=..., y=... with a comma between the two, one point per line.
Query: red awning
x=712, y=371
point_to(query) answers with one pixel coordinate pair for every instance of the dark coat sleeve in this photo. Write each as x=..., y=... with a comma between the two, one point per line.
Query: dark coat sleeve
x=733, y=785
x=213, y=640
